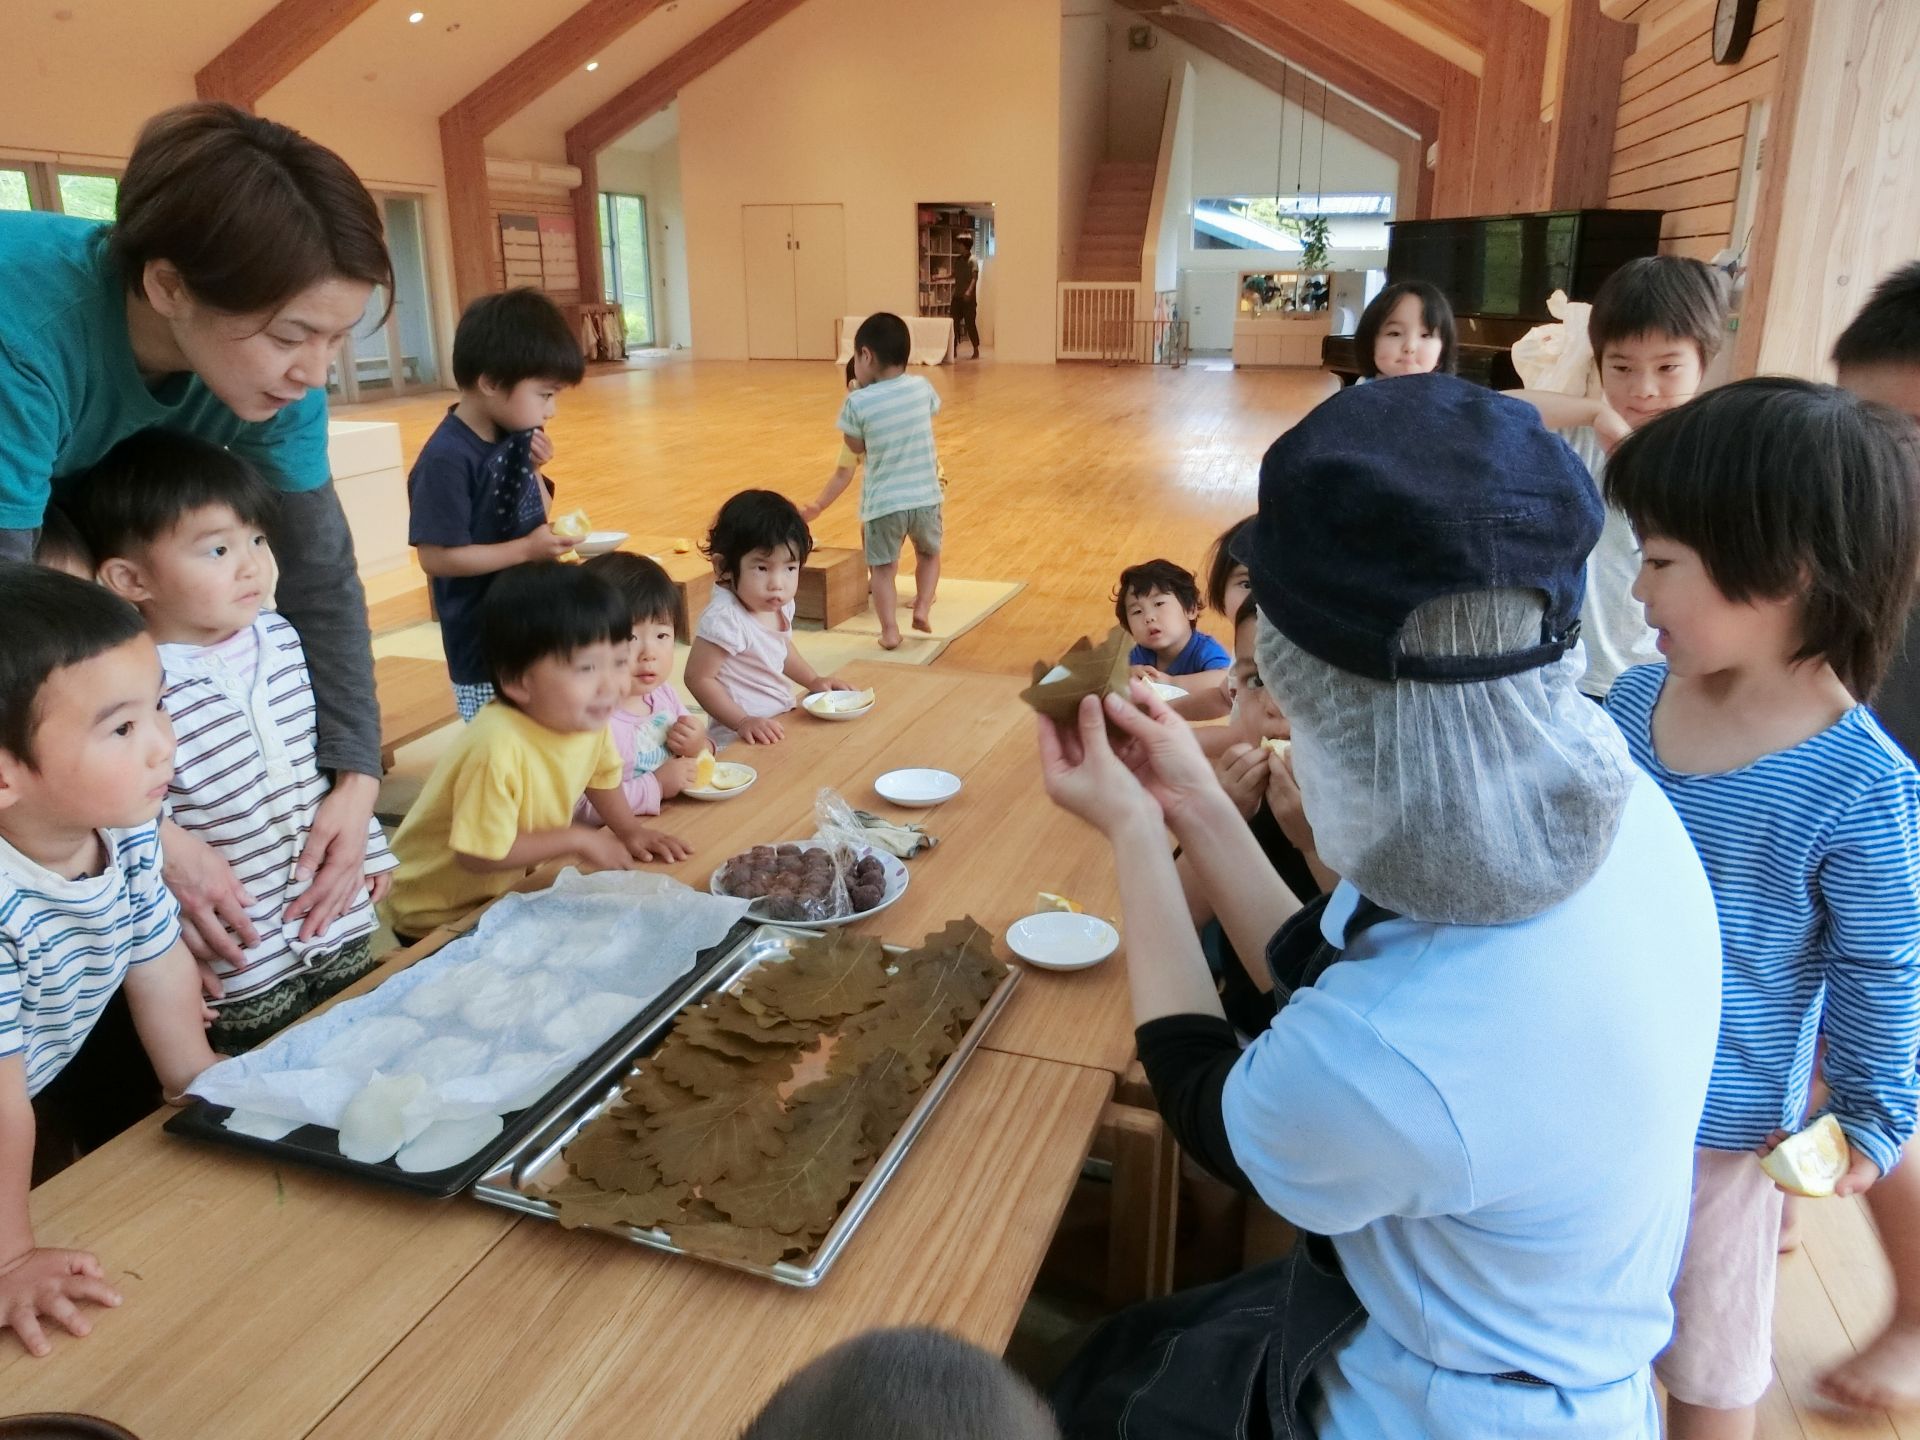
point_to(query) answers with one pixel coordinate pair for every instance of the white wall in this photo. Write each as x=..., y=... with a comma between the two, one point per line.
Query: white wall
x=666, y=216
x=896, y=102
x=1176, y=216
x=1084, y=44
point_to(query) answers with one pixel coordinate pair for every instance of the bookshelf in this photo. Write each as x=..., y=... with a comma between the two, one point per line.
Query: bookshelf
x=941, y=228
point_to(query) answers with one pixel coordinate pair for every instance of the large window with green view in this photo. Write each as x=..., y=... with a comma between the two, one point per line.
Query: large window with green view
x=91, y=197
x=624, y=263
x=14, y=193
x=40, y=185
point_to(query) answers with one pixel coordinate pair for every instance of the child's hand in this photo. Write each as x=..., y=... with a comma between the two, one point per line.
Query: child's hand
x=823, y=683
x=543, y=544
x=647, y=843
x=378, y=886
x=1283, y=799
x=540, y=451
x=687, y=738
x=1243, y=775
x=49, y=1283
x=1862, y=1174
x=602, y=849
x=1609, y=429
x=811, y=511
x=757, y=730
x=1152, y=674
x=674, y=776
x=210, y=985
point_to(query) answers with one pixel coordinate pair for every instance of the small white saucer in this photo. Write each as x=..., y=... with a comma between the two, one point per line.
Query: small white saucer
x=917, y=789
x=823, y=706
x=600, y=542
x=1057, y=940
x=714, y=793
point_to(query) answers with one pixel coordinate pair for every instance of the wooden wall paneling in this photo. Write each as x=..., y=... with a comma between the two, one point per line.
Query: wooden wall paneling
x=469, y=208
x=1592, y=63
x=1704, y=75
x=1686, y=46
x=562, y=286
x=653, y=91
x=1717, y=128
x=1465, y=20
x=1739, y=89
x=1691, y=164
x=273, y=47
x=1459, y=118
x=1511, y=156
x=586, y=219
x=1717, y=188
x=1698, y=221
x=1838, y=204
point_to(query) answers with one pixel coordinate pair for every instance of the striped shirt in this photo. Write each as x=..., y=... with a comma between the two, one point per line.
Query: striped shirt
x=65, y=945
x=1814, y=857
x=895, y=419
x=245, y=780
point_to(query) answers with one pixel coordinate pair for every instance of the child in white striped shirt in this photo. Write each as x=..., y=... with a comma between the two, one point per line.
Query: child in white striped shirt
x=177, y=527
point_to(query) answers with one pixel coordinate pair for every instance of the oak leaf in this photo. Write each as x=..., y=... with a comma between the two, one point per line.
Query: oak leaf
x=824, y=980
x=733, y=1134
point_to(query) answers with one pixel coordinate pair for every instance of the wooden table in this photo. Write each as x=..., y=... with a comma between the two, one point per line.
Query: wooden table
x=280, y=1302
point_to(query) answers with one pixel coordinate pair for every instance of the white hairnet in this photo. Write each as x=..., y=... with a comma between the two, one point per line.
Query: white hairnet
x=1472, y=804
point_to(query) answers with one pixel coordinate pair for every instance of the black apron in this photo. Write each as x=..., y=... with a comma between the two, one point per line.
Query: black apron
x=1234, y=1360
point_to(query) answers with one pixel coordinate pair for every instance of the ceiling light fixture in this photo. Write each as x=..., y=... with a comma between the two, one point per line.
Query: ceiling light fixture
x=416, y=17
x=593, y=65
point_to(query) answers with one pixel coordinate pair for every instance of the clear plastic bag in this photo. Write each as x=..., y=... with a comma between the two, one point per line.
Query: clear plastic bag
x=1558, y=357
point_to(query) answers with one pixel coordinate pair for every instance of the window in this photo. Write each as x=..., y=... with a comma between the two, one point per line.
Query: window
x=14, y=194
x=624, y=266
x=397, y=357
x=40, y=185
x=1272, y=222
x=87, y=195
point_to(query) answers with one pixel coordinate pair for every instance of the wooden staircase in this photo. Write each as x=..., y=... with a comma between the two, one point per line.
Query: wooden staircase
x=1113, y=229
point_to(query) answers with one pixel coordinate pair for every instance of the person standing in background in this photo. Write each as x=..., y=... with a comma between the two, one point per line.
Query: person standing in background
x=966, y=297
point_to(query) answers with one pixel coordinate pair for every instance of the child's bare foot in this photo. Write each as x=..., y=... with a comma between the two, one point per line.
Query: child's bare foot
x=922, y=623
x=889, y=639
x=1884, y=1376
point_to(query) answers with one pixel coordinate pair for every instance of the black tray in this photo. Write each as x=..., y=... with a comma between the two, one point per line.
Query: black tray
x=319, y=1146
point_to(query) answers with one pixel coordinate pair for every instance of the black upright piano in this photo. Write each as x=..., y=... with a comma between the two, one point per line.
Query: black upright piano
x=1498, y=272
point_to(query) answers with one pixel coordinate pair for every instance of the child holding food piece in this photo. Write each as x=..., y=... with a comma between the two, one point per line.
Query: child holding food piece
x=660, y=744
x=501, y=801
x=743, y=654
x=478, y=503
x=85, y=754
x=1805, y=814
x=1158, y=603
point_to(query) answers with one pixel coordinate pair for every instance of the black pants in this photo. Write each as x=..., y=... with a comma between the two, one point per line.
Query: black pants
x=107, y=1086
x=966, y=320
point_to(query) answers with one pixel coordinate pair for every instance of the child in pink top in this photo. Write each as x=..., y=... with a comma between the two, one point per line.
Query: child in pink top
x=656, y=737
x=743, y=667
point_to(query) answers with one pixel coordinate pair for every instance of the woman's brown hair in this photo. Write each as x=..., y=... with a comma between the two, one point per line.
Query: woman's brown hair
x=249, y=211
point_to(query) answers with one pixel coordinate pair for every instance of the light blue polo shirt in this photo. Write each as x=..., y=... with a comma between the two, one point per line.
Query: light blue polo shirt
x=1495, y=1124
x=70, y=389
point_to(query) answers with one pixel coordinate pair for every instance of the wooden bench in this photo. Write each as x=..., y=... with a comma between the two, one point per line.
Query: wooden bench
x=833, y=586
x=415, y=698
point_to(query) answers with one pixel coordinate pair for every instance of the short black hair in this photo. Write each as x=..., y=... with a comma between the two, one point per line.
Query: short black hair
x=887, y=336
x=642, y=580
x=1436, y=313
x=61, y=543
x=906, y=1384
x=1221, y=564
x=1154, y=575
x=513, y=336
x=1786, y=487
x=1664, y=294
x=1887, y=329
x=53, y=620
x=546, y=608
x=153, y=479
x=755, y=520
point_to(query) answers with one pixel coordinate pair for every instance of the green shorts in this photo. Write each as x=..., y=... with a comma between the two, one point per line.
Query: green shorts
x=884, y=534
x=245, y=1023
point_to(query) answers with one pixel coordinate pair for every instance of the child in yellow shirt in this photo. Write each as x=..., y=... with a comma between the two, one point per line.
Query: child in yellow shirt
x=501, y=801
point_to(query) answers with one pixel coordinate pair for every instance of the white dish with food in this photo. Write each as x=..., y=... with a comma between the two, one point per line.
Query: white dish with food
x=917, y=789
x=893, y=884
x=729, y=781
x=1057, y=940
x=599, y=542
x=838, y=704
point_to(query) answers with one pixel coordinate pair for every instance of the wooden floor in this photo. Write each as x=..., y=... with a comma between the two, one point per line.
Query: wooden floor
x=1060, y=477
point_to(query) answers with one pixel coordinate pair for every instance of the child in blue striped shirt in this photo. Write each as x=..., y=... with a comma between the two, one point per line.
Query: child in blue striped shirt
x=1779, y=536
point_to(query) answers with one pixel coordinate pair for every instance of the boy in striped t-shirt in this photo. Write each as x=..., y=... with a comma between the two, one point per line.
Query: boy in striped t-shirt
x=85, y=752
x=1779, y=535
x=177, y=528
x=889, y=421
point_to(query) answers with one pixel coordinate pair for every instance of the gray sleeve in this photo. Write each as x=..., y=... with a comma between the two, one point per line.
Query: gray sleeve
x=18, y=544
x=320, y=594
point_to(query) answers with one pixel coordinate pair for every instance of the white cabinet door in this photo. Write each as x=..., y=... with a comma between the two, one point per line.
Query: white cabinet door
x=819, y=278
x=771, y=330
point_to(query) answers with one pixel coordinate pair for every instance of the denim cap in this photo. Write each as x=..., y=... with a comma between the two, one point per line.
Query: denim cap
x=1397, y=492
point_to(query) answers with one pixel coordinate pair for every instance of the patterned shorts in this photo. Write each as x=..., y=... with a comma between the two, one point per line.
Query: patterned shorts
x=245, y=1023
x=470, y=698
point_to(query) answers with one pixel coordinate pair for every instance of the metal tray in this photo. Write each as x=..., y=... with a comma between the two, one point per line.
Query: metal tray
x=319, y=1146
x=510, y=1185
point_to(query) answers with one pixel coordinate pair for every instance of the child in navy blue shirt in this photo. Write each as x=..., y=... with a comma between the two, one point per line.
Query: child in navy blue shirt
x=479, y=504
x=1158, y=603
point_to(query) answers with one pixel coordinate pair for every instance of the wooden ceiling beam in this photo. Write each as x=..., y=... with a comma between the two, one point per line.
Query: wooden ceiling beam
x=273, y=47
x=549, y=60
x=1465, y=20
x=1340, y=42
x=655, y=90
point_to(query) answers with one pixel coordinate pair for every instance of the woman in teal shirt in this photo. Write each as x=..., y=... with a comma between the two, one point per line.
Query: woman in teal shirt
x=242, y=257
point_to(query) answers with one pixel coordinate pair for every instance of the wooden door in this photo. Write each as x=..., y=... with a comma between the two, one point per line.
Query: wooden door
x=820, y=278
x=768, y=232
